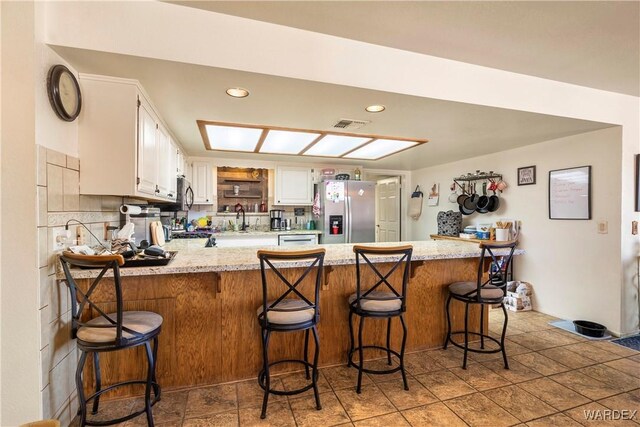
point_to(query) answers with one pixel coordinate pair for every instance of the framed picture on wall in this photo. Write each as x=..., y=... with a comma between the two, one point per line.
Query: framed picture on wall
x=527, y=175
x=570, y=193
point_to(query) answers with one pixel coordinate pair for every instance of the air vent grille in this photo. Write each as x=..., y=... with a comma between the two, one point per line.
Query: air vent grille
x=350, y=124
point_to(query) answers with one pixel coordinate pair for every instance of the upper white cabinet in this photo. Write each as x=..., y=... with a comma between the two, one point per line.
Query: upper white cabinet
x=202, y=183
x=125, y=149
x=294, y=186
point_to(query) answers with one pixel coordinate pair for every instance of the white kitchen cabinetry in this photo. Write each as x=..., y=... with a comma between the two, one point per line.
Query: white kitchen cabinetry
x=180, y=161
x=244, y=240
x=202, y=183
x=125, y=148
x=294, y=186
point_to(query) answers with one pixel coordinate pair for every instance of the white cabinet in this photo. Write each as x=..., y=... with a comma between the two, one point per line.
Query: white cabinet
x=125, y=149
x=179, y=161
x=202, y=183
x=243, y=240
x=294, y=186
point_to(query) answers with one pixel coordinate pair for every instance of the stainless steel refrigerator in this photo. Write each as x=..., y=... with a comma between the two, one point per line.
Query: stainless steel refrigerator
x=347, y=211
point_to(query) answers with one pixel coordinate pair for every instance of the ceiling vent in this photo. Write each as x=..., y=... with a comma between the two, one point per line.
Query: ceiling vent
x=350, y=124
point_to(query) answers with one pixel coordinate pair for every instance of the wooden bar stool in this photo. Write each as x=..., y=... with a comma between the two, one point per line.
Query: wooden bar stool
x=489, y=292
x=109, y=332
x=379, y=304
x=287, y=314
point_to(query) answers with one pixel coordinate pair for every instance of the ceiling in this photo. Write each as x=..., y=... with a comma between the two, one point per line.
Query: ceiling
x=185, y=93
x=589, y=43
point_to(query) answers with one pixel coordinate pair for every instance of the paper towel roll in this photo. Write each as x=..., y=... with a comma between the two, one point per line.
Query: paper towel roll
x=130, y=210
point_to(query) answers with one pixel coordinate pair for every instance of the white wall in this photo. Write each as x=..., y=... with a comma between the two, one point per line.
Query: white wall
x=20, y=400
x=575, y=272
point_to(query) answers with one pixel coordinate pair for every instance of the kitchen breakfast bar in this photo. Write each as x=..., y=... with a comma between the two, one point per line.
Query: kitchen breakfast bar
x=208, y=299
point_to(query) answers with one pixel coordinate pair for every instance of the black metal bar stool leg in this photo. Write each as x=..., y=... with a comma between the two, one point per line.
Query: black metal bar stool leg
x=404, y=342
x=315, y=367
x=361, y=356
x=306, y=353
x=482, y=326
x=351, y=339
x=466, y=335
x=389, y=341
x=156, y=386
x=267, y=377
x=147, y=391
x=504, y=333
x=96, y=367
x=448, y=337
x=80, y=388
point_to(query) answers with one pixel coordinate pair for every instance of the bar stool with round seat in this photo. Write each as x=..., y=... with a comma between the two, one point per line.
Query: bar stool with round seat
x=482, y=292
x=295, y=309
x=377, y=303
x=109, y=332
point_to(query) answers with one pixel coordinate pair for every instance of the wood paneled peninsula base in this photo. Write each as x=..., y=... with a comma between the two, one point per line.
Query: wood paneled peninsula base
x=208, y=298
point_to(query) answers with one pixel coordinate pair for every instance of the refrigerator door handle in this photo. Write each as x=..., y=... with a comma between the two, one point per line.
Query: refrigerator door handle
x=349, y=220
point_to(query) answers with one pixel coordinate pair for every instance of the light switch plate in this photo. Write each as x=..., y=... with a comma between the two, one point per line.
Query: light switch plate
x=634, y=227
x=60, y=236
x=603, y=227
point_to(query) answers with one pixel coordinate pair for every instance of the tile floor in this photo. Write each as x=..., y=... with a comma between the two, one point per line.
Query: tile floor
x=555, y=377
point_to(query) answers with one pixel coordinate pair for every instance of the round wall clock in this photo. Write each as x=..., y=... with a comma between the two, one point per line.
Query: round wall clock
x=64, y=93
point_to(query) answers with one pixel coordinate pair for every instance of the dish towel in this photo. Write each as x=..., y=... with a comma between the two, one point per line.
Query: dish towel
x=415, y=204
x=316, y=205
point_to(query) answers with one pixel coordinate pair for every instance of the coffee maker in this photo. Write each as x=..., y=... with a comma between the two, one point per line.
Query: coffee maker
x=276, y=219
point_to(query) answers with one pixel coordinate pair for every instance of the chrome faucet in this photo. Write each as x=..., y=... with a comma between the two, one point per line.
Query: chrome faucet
x=239, y=209
x=257, y=222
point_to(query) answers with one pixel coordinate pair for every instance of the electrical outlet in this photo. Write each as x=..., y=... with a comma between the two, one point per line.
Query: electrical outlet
x=603, y=227
x=634, y=227
x=60, y=237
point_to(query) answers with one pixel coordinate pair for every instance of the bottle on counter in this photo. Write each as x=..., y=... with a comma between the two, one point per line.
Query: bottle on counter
x=356, y=174
x=263, y=206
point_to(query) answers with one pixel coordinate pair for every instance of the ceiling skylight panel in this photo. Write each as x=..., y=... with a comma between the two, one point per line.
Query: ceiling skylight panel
x=233, y=138
x=287, y=142
x=335, y=145
x=380, y=148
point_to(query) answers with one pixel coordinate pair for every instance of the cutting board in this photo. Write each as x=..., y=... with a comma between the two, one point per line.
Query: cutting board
x=157, y=233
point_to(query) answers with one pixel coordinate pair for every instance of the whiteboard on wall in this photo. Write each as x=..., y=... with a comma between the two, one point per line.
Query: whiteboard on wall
x=570, y=193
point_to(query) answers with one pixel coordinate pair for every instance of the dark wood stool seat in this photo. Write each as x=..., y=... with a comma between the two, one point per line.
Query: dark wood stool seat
x=292, y=311
x=489, y=292
x=109, y=332
x=381, y=304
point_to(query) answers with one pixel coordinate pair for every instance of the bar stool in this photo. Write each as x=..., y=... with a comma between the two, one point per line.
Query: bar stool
x=109, y=332
x=284, y=314
x=379, y=304
x=489, y=292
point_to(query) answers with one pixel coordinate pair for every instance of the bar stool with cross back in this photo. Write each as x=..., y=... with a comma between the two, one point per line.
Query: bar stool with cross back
x=379, y=304
x=489, y=292
x=109, y=332
x=285, y=314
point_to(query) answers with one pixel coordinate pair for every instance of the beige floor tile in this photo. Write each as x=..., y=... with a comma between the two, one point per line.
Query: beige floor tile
x=514, y=348
x=558, y=337
x=519, y=403
x=556, y=420
x=382, y=365
x=111, y=409
x=395, y=419
x=532, y=341
x=299, y=380
x=618, y=349
x=370, y=403
x=169, y=410
x=612, y=377
x=628, y=366
x=278, y=414
x=435, y=415
x=635, y=358
x=306, y=414
x=421, y=363
x=478, y=410
x=250, y=394
x=624, y=402
x=449, y=358
x=540, y=363
x=592, y=352
x=444, y=384
x=556, y=395
x=417, y=395
x=342, y=376
x=480, y=377
x=224, y=419
x=585, y=385
x=516, y=373
x=567, y=357
x=580, y=414
x=212, y=400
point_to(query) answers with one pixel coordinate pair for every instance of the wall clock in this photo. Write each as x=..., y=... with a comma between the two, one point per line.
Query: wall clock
x=64, y=93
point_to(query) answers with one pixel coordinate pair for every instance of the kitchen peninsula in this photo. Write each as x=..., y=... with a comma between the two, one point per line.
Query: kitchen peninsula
x=208, y=298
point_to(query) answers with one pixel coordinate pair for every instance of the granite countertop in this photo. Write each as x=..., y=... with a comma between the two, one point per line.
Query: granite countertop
x=193, y=257
x=262, y=233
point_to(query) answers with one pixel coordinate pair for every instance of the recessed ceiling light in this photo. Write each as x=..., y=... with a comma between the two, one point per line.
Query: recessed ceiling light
x=379, y=148
x=375, y=108
x=237, y=92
